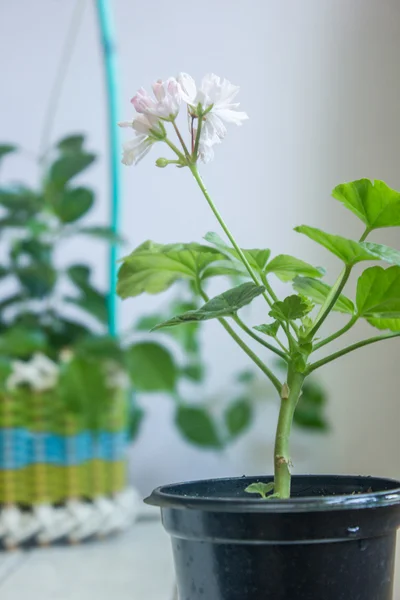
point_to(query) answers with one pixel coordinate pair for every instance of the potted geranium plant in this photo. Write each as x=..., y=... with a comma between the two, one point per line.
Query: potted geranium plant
x=275, y=537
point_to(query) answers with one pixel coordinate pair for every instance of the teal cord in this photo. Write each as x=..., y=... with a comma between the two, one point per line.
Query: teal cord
x=110, y=71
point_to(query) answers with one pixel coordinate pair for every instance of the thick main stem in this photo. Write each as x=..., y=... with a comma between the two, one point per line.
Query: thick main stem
x=282, y=476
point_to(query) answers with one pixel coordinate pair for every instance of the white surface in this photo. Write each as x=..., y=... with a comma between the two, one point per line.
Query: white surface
x=320, y=82
x=134, y=566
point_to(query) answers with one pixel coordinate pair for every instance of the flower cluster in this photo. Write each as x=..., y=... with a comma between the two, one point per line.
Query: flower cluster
x=208, y=108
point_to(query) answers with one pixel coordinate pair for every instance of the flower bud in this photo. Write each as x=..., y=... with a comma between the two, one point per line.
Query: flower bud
x=162, y=162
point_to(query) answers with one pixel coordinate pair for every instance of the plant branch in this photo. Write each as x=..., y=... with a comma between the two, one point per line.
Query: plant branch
x=330, y=300
x=225, y=228
x=258, y=339
x=335, y=355
x=334, y=294
x=178, y=133
x=274, y=380
x=181, y=157
x=198, y=135
x=339, y=333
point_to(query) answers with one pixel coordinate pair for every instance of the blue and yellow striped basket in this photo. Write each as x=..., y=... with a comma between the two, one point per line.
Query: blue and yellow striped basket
x=50, y=455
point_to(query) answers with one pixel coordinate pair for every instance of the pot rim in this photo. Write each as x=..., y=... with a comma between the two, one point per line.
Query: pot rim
x=163, y=497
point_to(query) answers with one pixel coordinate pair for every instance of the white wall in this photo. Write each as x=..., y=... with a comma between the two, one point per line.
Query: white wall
x=321, y=84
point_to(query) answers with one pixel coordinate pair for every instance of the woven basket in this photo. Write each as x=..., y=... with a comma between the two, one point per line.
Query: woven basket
x=49, y=455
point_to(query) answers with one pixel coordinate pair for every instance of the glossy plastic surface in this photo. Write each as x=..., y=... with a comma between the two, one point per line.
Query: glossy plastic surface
x=333, y=540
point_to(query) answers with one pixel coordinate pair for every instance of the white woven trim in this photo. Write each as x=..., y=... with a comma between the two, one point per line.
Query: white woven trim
x=75, y=521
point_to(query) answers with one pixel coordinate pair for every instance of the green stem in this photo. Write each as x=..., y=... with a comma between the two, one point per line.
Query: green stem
x=220, y=220
x=258, y=339
x=181, y=157
x=335, y=355
x=197, y=142
x=334, y=294
x=339, y=333
x=330, y=300
x=274, y=380
x=282, y=476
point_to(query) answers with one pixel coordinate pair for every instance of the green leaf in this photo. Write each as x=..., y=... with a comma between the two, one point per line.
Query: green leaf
x=6, y=149
x=378, y=294
x=93, y=302
x=230, y=268
x=310, y=409
x=376, y=204
x=246, y=376
x=260, y=488
x=257, y=258
x=349, y=251
x=72, y=204
x=84, y=390
x=21, y=202
x=270, y=329
x=21, y=343
x=238, y=417
x=187, y=336
x=38, y=279
x=30, y=248
x=5, y=372
x=153, y=268
x=10, y=300
x=392, y=324
x=101, y=347
x=72, y=144
x=224, y=305
x=4, y=272
x=135, y=420
x=80, y=275
x=318, y=292
x=196, y=426
x=90, y=299
x=102, y=233
x=287, y=267
x=151, y=367
x=291, y=308
x=194, y=371
x=67, y=167
x=60, y=332
x=381, y=252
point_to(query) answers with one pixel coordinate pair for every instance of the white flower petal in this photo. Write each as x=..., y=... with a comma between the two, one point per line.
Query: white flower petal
x=136, y=149
x=228, y=91
x=206, y=153
x=143, y=123
x=158, y=90
x=214, y=127
x=230, y=116
x=188, y=89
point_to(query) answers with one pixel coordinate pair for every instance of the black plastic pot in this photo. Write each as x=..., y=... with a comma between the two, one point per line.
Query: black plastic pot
x=333, y=540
